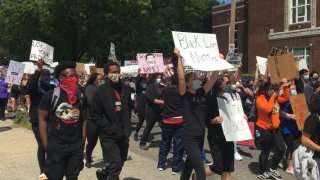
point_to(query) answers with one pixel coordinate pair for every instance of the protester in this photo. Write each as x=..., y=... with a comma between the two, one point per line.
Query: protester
x=194, y=111
x=3, y=97
x=93, y=129
x=141, y=86
x=111, y=112
x=37, y=86
x=62, y=125
x=268, y=122
x=153, y=109
x=172, y=120
x=309, y=88
x=24, y=95
x=302, y=81
x=14, y=97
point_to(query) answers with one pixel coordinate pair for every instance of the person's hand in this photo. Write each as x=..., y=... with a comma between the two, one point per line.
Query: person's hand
x=291, y=116
x=216, y=120
x=221, y=56
x=245, y=117
x=176, y=52
x=40, y=64
x=275, y=94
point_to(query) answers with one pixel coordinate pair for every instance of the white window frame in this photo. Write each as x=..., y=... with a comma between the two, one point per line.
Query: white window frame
x=296, y=7
x=305, y=55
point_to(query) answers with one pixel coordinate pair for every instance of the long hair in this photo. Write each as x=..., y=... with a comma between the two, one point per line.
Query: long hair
x=92, y=79
x=264, y=88
x=152, y=78
x=216, y=89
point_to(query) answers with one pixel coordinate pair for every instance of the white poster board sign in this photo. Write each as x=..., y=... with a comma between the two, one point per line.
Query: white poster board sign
x=234, y=126
x=303, y=64
x=130, y=62
x=40, y=50
x=234, y=59
x=87, y=68
x=15, y=72
x=262, y=64
x=112, y=54
x=130, y=71
x=200, y=51
x=30, y=68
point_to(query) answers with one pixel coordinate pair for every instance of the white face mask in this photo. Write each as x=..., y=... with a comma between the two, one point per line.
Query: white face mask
x=115, y=77
x=233, y=87
x=196, y=84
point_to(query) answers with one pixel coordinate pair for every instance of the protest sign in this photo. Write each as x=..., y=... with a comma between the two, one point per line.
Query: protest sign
x=15, y=72
x=80, y=68
x=130, y=62
x=30, y=68
x=234, y=126
x=277, y=52
x=130, y=71
x=234, y=59
x=87, y=68
x=93, y=69
x=40, y=50
x=300, y=109
x=302, y=64
x=200, y=51
x=100, y=71
x=150, y=63
x=251, y=141
x=281, y=67
x=112, y=54
x=262, y=64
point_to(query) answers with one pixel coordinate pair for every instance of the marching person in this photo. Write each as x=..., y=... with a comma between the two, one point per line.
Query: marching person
x=111, y=112
x=194, y=111
x=141, y=86
x=62, y=125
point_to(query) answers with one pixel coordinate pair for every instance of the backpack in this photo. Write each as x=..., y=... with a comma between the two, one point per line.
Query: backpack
x=56, y=96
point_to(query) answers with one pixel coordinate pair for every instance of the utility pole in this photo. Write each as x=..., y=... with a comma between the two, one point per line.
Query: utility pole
x=232, y=25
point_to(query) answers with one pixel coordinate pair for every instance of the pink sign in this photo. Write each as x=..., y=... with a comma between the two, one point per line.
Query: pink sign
x=150, y=63
x=249, y=142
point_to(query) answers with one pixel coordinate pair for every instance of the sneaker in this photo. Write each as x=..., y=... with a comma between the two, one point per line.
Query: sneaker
x=280, y=164
x=144, y=147
x=135, y=137
x=237, y=156
x=275, y=174
x=207, y=163
x=265, y=175
x=160, y=169
x=43, y=177
x=101, y=174
x=175, y=173
x=88, y=162
x=290, y=171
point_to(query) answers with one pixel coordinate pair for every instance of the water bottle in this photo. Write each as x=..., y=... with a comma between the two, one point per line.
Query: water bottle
x=258, y=134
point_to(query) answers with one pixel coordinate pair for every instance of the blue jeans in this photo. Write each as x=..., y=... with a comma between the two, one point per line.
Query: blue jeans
x=171, y=132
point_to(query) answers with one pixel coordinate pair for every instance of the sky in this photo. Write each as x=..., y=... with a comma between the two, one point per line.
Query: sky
x=225, y=1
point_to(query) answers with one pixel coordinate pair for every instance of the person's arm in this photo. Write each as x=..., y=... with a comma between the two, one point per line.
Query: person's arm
x=43, y=126
x=305, y=140
x=158, y=101
x=181, y=73
x=256, y=79
x=285, y=97
x=237, y=74
x=84, y=126
x=209, y=84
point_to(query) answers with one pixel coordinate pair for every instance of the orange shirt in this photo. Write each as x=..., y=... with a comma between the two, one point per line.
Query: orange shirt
x=268, y=111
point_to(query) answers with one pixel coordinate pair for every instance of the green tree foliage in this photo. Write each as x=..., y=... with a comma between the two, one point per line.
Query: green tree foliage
x=81, y=29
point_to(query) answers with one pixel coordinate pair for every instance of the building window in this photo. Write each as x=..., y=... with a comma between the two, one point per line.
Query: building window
x=301, y=53
x=300, y=11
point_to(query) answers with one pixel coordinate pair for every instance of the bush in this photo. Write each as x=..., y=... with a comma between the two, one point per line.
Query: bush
x=21, y=120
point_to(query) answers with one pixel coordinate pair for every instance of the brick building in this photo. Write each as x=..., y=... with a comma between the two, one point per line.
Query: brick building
x=293, y=25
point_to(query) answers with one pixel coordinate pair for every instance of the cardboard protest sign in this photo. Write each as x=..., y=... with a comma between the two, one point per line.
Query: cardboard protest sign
x=30, y=68
x=234, y=126
x=300, y=109
x=80, y=68
x=15, y=72
x=302, y=64
x=130, y=62
x=234, y=59
x=281, y=67
x=130, y=71
x=200, y=51
x=87, y=68
x=262, y=64
x=93, y=69
x=277, y=52
x=150, y=63
x=100, y=71
x=40, y=50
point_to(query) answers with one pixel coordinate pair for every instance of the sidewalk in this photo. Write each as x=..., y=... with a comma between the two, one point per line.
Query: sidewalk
x=18, y=159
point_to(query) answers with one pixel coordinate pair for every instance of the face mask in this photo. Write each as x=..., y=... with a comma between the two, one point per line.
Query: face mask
x=196, y=84
x=226, y=88
x=69, y=85
x=293, y=92
x=306, y=77
x=158, y=81
x=144, y=85
x=115, y=77
x=233, y=87
x=313, y=81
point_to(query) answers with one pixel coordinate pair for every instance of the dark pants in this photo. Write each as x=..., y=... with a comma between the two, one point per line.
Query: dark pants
x=289, y=140
x=93, y=131
x=64, y=160
x=41, y=153
x=151, y=121
x=171, y=132
x=141, y=116
x=3, y=103
x=116, y=154
x=269, y=139
x=193, y=146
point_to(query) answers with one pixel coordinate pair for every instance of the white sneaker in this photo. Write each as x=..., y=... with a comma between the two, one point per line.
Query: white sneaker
x=175, y=173
x=160, y=169
x=43, y=177
x=237, y=156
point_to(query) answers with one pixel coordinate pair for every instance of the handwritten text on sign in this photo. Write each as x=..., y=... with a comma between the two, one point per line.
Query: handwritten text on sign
x=200, y=51
x=151, y=63
x=234, y=126
x=15, y=72
x=40, y=50
x=300, y=109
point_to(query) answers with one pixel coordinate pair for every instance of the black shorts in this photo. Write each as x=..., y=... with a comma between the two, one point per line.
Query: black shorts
x=14, y=95
x=222, y=153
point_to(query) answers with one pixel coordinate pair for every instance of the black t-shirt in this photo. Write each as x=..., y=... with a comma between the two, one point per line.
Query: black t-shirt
x=312, y=127
x=172, y=103
x=64, y=124
x=194, y=113
x=214, y=130
x=152, y=93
